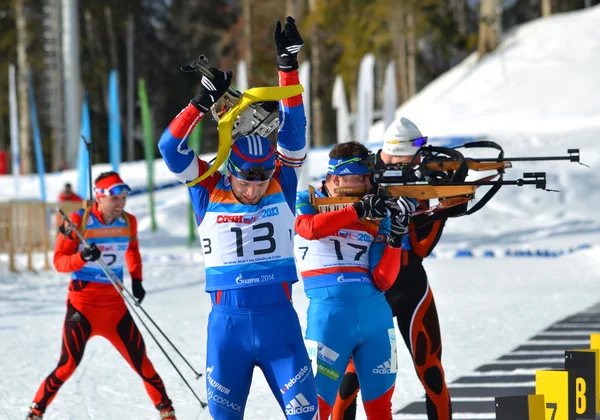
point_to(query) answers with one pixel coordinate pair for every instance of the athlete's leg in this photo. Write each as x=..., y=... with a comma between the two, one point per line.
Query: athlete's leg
x=229, y=362
x=124, y=335
x=375, y=360
x=332, y=327
x=345, y=403
x=415, y=311
x=282, y=356
x=77, y=330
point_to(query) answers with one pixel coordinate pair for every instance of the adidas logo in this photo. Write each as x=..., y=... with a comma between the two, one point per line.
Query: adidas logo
x=299, y=405
x=384, y=368
x=76, y=317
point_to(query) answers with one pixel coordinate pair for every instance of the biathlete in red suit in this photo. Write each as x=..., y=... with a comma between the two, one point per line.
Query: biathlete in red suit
x=94, y=306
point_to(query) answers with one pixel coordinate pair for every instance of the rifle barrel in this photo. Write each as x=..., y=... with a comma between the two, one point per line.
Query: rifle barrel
x=573, y=157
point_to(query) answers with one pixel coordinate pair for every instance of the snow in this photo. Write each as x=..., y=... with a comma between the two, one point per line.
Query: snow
x=537, y=95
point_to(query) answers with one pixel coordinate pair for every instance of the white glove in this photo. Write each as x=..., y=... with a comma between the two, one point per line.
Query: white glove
x=405, y=206
x=401, y=220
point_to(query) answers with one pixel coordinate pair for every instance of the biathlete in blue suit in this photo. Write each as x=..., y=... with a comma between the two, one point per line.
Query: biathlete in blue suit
x=348, y=258
x=246, y=221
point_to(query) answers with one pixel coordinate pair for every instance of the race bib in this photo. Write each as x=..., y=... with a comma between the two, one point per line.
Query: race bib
x=346, y=248
x=246, y=238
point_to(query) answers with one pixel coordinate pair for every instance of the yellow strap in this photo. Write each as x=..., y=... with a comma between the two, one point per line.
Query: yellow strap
x=128, y=221
x=84, y=219
x=259, y=94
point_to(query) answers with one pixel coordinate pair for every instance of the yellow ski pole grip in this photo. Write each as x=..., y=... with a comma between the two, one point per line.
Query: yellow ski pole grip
x=250, y=96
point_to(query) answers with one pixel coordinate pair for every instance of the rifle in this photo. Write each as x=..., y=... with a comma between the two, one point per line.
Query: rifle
x=491, y=164
x=255, y=111
x=439, y=172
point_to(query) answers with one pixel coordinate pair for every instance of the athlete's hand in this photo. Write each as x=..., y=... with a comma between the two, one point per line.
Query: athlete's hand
x=287, y=44
x=138, y=289
x=90, y=254
x=212, y=89
x=401, y=220
x=404, y=206
x=371, y=206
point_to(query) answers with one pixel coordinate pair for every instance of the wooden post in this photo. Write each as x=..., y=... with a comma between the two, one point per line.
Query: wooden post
x=45, y=235
x=22, y=68
x=316, y=85
x=248, y=44
x=398, y=18
x=488, y=27
x=29, y=228
x=546, y=8
x=411, y=54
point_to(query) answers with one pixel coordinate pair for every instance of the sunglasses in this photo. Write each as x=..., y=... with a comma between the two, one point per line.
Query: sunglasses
x=114, y=190
x=345, y=162
x=365, y=160
x=418, y=142
x=255, y=173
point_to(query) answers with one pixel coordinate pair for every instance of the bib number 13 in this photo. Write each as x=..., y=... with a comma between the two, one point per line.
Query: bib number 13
x=264, y=237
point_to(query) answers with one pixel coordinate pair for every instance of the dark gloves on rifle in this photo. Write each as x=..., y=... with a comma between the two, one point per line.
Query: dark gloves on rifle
x=287, y=44
x=138, y=289
x=401, y=216
x=91, y=254
x=212, y=89
x=371, y=206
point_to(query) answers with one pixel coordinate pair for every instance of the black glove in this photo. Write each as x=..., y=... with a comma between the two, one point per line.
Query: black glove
x=90, y=254
x=287, y=45
x=401, y=220
x=371, y=206
x=138, y=289
x=212, y=89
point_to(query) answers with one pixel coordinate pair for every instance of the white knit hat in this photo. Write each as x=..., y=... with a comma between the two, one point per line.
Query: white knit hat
x=396, y=138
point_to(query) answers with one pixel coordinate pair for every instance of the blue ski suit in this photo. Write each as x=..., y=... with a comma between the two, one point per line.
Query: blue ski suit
x=346, y=265
x=250, y=269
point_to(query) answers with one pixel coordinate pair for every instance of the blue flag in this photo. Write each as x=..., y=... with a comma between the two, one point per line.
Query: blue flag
x=83, y=161
x=114, y=121
x=39, y=156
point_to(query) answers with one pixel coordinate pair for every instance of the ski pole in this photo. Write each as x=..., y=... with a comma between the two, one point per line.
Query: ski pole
x=108, y=272
x=118, y=284
x=90, y=150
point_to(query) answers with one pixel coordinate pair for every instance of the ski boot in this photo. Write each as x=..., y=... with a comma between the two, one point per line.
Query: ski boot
x=167, y=412
x=36, y=415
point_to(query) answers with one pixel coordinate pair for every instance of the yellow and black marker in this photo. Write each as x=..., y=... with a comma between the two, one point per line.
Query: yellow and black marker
x=554, y=385
x=583, y=392
x=521, y=407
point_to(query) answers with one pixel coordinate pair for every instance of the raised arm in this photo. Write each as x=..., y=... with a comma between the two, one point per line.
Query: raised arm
x=173, y=145
x=311, y=225
x=291, y=139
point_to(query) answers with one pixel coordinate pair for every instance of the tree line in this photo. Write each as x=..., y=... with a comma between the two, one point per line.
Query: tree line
x=424, y=38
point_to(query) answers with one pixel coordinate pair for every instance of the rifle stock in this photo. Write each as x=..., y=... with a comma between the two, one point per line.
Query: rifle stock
x=426, y=192
x=421, y=192
x=472, y=164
